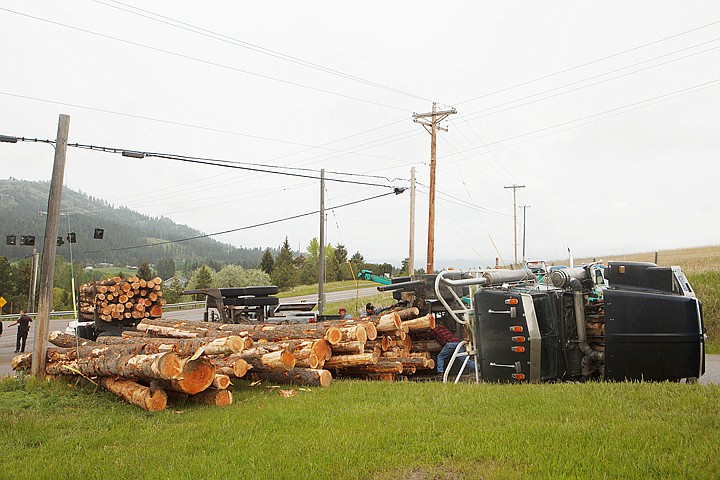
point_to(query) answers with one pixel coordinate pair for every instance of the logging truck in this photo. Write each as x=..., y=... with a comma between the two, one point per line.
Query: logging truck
x=621, y=321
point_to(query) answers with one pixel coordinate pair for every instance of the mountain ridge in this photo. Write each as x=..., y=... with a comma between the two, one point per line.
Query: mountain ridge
x=129, y=237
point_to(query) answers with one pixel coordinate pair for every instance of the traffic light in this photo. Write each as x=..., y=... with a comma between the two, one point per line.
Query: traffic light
x=11, y=240
x=60, y=241
x=71, y=237
x=99, y=232
x=28, y=240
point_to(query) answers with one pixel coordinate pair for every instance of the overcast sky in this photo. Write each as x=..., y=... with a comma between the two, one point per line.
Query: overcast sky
x=607, y=112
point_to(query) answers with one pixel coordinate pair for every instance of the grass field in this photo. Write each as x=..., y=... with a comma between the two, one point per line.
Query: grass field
x=368, y=430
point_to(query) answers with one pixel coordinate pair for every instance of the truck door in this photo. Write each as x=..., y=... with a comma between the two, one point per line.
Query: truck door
x=507, y=335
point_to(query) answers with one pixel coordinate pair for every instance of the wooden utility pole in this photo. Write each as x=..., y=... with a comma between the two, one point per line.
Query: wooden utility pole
x=514, y=189
x=42, y=320
x=411, y=254
x=33, y=280
x=321, y=269
x=432, y=127
x=524, y=207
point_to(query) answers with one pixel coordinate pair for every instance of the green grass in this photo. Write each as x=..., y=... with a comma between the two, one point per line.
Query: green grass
x=329, y=287
x=108, y=272
x=707, y=289
x=368, y=430
x=357, y=305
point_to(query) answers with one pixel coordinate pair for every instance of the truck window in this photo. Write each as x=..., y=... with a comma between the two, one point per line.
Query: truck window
x=550, y=338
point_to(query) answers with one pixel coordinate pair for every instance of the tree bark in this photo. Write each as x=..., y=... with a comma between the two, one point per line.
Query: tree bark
x=348, y=348
x=159, y=366
x=213, y=396
x=298, y=376
x=151, y=400
x=421, y=323
x=345, y=361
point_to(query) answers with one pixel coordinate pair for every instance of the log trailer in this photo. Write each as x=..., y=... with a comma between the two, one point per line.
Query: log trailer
x=624, y=321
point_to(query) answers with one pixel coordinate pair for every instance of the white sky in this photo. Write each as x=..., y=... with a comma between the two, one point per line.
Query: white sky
x=617, y=156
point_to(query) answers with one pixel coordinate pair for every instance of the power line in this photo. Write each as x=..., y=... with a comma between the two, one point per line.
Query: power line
x=466, y=204
x=250, y=46
x=182, y=124
x=200, y=60
x=474, y=115
x=217, y=163
x=590, y=62
x=248, y=227
x=640, y=104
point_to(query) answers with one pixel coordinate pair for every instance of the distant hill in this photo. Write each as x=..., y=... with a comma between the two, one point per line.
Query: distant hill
x=127, y=234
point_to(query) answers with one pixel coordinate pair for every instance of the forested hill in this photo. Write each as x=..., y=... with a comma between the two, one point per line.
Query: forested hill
x=20, y=202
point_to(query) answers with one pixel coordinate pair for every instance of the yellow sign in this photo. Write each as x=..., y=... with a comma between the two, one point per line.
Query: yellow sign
x=2, y=302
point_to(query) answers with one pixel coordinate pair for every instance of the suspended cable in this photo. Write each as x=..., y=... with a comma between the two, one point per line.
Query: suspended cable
x=248, y=227
x=200, y=60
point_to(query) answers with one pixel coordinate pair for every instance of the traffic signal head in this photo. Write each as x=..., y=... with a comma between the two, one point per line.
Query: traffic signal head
x=71, y=237
x=11, y=240
x=99, y=232
x=28, y=240
x=60, y=241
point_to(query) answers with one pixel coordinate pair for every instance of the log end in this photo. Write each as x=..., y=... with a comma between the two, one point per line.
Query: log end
x=371, y=331
x=169, y=366
x=333, y=335
x=197, y=375
x=287, y=359
x=325, y=378
x=240, y=368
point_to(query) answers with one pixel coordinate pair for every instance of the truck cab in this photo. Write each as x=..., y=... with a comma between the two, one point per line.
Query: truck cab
x=646, y=325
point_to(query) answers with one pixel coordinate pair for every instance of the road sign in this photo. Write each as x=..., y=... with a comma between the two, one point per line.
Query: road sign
x=2, y=302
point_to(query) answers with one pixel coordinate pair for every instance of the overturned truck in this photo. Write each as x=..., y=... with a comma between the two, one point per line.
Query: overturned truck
x=623, y=321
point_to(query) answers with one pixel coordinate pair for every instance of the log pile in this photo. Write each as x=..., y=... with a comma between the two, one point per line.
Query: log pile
x=167, y=359
x=117, y=299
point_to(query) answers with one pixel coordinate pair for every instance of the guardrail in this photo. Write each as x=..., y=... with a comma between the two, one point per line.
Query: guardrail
x=70, y=313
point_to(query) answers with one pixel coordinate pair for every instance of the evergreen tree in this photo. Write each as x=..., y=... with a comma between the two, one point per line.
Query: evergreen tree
x=284, y=274
x=166, y=268
x=145, y=272
x=267, y=262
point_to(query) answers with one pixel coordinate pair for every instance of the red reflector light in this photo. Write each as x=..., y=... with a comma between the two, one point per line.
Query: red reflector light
x=518, y=349
x=518, y=376
x=516, y=328
x=511, y=301
x=518, y=339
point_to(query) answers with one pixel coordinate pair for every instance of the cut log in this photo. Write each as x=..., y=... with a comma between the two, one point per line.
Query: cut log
x=421, y=323
x=353, y=333
x=160, y=366
x=196, y=376
x=383, y=366
x=389, y=322
x=221, y=381
x=347, y=348
x=151, y=400
x=346, y=361
x=408, y=313
x=425, y=346
x=298, y=376
x=260, y=359
x=213, y=396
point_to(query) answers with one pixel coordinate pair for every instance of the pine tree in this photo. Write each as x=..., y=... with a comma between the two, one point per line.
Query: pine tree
x=267, y=262
x=145, y=272
x=284, y=274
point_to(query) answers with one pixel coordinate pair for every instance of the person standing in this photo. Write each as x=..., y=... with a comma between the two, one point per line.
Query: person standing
x=23, y=324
